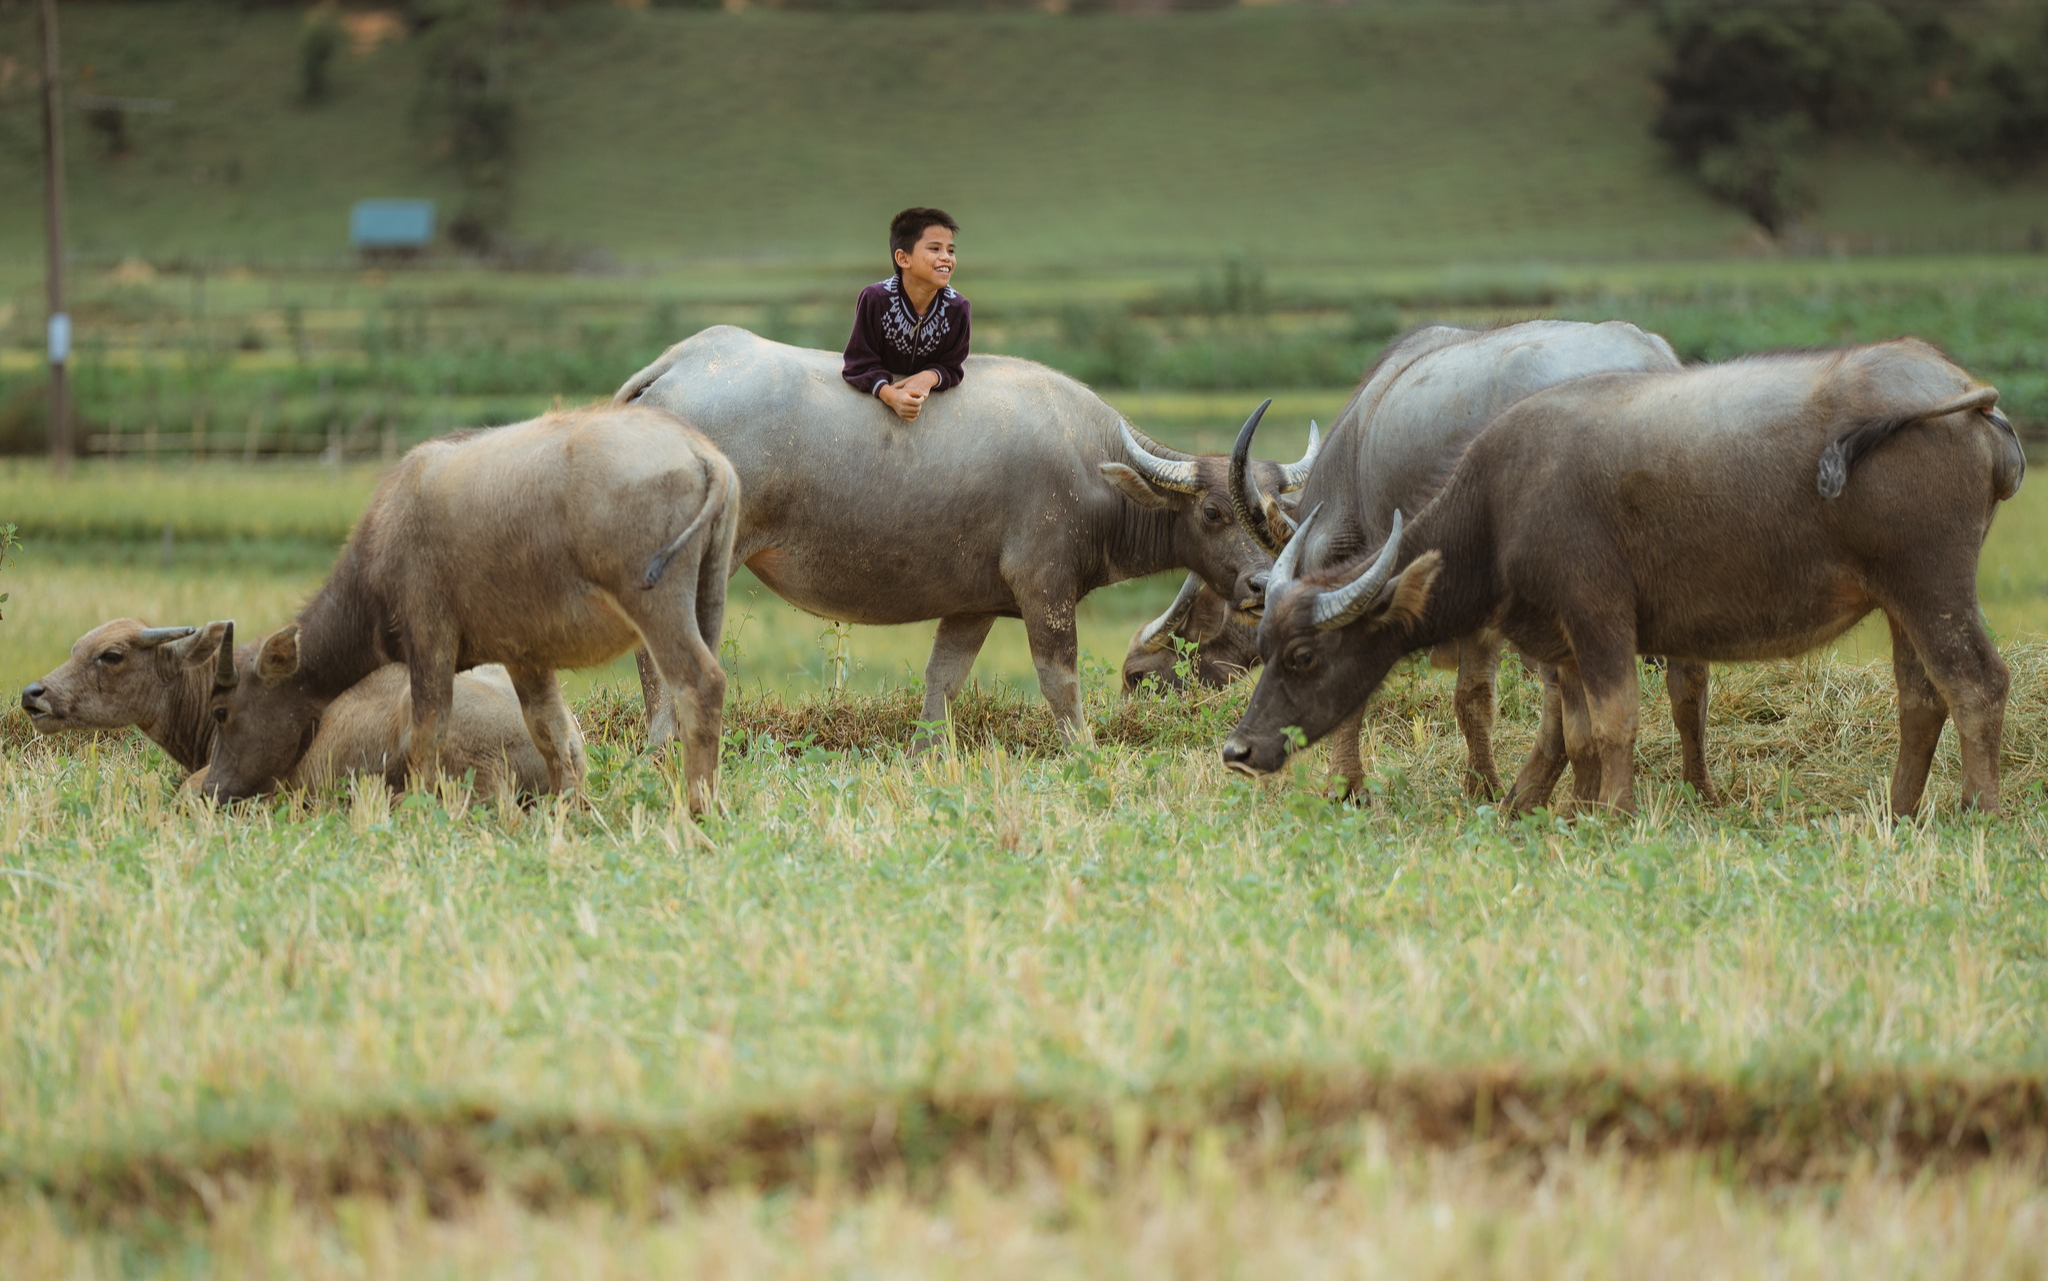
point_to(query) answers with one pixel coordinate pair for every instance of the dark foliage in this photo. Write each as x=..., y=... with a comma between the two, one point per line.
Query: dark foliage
x=1751, y=85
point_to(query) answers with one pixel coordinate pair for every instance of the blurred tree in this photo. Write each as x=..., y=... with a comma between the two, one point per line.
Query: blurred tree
x=466, y=102
x=1993, y=115
x=1750, y=86
x=319, y=41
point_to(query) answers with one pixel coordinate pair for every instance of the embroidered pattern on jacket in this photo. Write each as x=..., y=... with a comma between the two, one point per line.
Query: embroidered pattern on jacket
x=905, y=332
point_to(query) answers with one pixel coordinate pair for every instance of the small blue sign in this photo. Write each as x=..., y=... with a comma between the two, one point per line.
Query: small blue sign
x=391, y=224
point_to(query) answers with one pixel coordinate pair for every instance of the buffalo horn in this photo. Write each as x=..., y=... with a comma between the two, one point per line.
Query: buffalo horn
x=1167, y=473
x=1158, y=634
x=1294, y=475
x=1340, y=605
x=1288, y=567
x=1244, y=491
x=1154, y=447
x=224, y=665
x=151, y=637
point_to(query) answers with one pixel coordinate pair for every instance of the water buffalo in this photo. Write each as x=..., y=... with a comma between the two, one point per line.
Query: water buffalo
x=1754, y=509
x=158, y=679
x=559, y=542
x=1225, y=645
x=1419, y=405
x=1012, y=496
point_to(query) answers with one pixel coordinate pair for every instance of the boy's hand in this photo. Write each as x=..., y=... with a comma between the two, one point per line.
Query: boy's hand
x=907, y=395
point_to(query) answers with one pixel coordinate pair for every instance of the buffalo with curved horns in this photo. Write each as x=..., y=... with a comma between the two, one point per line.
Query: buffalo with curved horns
x=1012, y=496
x=1418, y=407
x=1753, y=509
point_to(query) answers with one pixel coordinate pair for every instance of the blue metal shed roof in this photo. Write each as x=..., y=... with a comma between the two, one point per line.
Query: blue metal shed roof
x=376, y=224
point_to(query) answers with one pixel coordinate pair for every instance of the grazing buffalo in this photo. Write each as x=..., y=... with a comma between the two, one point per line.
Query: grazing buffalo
x=560, y=542
x=1225, y=646
x=1754, y=509
x=1012, y=496
x=1420, y=404
x=159, y=680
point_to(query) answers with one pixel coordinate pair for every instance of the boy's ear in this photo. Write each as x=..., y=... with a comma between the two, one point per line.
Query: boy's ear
x=1133, y=486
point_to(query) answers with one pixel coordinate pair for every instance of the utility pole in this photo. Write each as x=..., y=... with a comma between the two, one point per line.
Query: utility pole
x=53, y=217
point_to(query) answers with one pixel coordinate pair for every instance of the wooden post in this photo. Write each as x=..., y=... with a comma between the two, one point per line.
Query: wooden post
x=53, y=217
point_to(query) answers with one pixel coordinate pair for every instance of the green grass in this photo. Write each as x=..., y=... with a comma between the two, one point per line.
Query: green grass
x=1084, y=987
x=1314, y=138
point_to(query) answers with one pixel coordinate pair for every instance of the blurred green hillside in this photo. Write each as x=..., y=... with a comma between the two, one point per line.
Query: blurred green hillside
x=1312, y=138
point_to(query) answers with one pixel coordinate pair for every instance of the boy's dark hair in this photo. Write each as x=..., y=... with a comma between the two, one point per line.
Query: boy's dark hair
x=906, y=227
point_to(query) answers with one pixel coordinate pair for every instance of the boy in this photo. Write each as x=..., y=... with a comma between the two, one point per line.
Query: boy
x=910, y=331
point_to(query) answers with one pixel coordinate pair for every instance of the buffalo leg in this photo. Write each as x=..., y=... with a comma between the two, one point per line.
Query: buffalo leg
x=1580, y=747
x=1056, y=653
x=667, y=619
x=1539, y=775
x=1957, y=659
x=661, y=712
x=954, y=649
x=1686, y=682
x=1607, y=677
x=1347, y=766
x=431, y=666
x=1478, y=668
x=547, y=723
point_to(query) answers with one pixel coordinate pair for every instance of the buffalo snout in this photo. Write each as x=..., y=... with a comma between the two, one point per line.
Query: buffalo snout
x=1247, y=758
x=35, y=700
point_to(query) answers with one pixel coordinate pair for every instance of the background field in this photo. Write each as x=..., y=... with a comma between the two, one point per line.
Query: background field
x=1008, y=1009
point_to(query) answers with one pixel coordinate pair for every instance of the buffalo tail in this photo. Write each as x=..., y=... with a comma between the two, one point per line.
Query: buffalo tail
x=717, y=493
x=1851, y=443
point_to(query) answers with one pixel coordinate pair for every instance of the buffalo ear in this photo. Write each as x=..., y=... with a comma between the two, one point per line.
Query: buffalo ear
x=279, y=658
x=1410, y=595
x=201, y=646
x=1279, y=517
x=1206, y=620
x=1132, y=485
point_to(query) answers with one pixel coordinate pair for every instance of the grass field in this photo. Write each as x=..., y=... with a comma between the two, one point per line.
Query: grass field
x=1319, y=139
x=1007, y=1009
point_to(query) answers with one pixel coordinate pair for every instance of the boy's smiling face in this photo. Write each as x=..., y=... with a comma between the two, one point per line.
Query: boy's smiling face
x=928, y=263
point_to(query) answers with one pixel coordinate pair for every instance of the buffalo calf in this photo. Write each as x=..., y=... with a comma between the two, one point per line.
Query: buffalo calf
x=560, y=542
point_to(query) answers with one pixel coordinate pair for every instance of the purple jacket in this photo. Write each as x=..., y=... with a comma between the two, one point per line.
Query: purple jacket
x=889, y=341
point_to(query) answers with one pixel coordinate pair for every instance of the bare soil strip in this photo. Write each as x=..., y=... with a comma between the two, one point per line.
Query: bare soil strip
x=1769, y=1128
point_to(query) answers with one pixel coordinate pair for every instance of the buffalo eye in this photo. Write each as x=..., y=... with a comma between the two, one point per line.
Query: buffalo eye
x=1301, y=658
x=111, y=657
x=220, y=715
x=1212, y=513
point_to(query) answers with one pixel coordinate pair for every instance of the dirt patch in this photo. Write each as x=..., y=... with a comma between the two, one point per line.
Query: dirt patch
x=1770, y=1128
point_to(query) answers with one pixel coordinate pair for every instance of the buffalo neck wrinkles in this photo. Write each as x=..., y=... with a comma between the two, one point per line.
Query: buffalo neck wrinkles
x=185, y=730
x=1140, y=541
x=1467, y=590
x=338, y=633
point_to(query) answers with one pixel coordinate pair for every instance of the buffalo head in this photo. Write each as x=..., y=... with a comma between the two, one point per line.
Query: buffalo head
x=1226, y=647
x=264, y=720
x=1327, y=640
x=122, y=673
x=1195, y=491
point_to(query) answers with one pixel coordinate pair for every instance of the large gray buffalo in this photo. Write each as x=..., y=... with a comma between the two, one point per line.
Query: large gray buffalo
x=1754, y=509
x=1013, y=496
x=160, y=679
x=560, y=542
x=1417, y=409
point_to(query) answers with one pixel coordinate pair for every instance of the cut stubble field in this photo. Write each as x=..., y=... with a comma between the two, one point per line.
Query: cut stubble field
x=1105, y=1010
